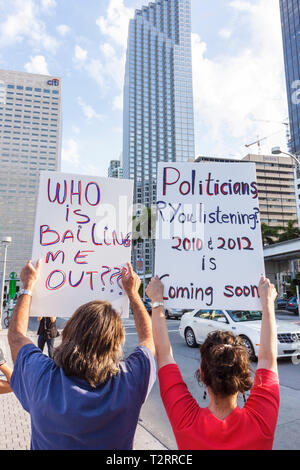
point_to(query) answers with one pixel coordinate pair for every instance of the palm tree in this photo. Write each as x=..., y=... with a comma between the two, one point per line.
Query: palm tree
x=144, y=225
x=290, y=232
x=269, y=234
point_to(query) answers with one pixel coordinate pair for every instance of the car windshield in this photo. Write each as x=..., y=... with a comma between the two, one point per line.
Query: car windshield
x=244, y=315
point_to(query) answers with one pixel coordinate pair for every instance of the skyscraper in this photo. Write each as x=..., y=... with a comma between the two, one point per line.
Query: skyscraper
x=115, y=169
x=30, y=141
x=158, y=98
x=290, y=24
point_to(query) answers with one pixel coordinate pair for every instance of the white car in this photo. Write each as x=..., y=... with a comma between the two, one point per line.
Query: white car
x=196, y=325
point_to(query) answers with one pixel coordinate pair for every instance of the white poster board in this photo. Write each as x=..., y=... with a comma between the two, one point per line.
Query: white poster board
x=209, y=251
x=83, y=236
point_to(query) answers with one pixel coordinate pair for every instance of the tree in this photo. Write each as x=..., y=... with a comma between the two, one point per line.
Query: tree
x=144, y=225
x=269, y=234
x=290, y=232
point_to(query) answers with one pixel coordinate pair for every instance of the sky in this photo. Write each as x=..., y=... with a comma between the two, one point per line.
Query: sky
x=238, y=72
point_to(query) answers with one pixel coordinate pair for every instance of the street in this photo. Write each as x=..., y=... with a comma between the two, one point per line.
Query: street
x=154, y=419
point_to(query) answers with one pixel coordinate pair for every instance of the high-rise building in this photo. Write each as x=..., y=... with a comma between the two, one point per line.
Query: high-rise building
x=290, y=25
x=276, y=188
x=30, y=141
x=275, y=183
x=115, y=169
x=158, y=99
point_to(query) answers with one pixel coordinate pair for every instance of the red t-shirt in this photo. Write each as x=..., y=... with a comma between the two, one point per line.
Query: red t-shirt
x=249, y=428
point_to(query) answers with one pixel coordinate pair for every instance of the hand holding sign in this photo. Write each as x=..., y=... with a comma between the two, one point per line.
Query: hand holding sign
x=131, y=281
x=209, y=248
x=83, y=235
x=30, y=274
x=155, y=290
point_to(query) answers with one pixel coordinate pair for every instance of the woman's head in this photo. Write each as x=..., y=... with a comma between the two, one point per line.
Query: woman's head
x=91, y=346
x=225, y=364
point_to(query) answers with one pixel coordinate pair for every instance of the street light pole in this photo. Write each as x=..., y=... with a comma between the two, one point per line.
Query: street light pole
x=278, y=151
x=5, y=242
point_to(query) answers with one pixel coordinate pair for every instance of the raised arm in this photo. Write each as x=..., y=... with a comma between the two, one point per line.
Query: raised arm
x=131, y=283
x=19, y=322
x=268, y=349
x=155, y=292
x=4, y=384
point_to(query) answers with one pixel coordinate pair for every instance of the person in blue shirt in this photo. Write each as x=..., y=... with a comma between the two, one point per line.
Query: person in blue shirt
x=87, y=397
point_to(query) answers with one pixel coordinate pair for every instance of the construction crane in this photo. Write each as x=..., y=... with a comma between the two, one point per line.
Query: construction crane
x=258, y=142
x=272, y=122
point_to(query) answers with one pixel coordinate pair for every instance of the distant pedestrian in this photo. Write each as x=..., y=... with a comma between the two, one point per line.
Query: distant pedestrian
x=7, y=371
x=225, y=371
x=87, y=397
x=47, y=332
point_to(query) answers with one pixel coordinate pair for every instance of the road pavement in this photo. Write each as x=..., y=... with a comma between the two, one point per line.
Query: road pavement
x=153, y=416
x=154, y=431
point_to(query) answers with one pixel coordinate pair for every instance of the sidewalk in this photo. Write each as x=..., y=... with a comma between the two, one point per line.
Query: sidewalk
x=15, y=426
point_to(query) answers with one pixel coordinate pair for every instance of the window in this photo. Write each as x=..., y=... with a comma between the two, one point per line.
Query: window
x=203, y=314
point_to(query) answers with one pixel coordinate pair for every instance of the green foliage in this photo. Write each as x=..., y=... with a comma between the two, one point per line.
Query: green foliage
x=271, y=235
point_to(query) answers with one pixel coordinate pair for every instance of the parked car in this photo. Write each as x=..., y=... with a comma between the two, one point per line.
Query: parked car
x=148, y=306
x=281, y=303
x=195, y=326
x=173, y=313
x=292, y=305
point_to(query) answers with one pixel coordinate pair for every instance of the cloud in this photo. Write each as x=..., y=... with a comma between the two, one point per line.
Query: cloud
x=48, y=4
x=225, y=33
x=115, y=24
x=80, y=54
x=38, y=65
x=21, y=21
x=70, y=153
x=109, y=68
x=63, y=29
x=75, y=130
x=88, y=110
x=95, y=70
x=232, y=91
x=118, y=102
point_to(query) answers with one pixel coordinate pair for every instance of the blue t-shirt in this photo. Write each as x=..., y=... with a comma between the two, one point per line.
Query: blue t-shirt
x=67, y=414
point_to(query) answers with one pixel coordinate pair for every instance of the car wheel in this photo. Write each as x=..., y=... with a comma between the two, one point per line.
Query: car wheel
x=190, y=338
x=250, y=349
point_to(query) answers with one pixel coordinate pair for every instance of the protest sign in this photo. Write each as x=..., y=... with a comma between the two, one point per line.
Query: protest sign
x=83, y=236
x=208, y=244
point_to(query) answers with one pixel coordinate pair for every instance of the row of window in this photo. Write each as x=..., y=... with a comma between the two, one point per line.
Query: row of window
x=28, y=88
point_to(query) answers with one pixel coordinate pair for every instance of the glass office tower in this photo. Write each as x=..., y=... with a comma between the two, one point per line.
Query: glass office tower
x=158, y=99
x=290, y=23
x=30, y=141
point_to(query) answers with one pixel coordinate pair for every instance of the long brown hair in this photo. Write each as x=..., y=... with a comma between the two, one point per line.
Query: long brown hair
x=91, y=347
x=225, y=364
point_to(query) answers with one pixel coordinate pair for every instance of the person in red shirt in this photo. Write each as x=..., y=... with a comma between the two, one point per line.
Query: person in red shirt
x=225, y=371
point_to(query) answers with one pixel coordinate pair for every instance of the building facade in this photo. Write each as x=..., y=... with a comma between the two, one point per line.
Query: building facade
x=115, y=169
x=276, y=186
x=290, y=25
x=30, y=141
x=158, y=99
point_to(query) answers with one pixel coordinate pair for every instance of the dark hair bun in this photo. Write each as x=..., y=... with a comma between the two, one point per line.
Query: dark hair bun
x=225, y=365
